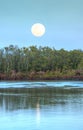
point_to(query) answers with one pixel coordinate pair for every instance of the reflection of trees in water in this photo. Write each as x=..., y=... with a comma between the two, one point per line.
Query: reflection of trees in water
x=13, y=99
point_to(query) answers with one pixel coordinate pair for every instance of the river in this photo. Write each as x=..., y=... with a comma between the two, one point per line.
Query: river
x=42, y=105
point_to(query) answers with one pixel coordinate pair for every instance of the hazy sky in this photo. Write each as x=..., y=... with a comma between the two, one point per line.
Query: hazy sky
x=63, y=20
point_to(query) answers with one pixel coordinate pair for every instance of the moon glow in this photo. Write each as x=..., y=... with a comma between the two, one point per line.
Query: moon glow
x=38, y=29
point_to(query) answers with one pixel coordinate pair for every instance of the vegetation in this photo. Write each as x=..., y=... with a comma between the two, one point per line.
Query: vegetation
x=40, y=63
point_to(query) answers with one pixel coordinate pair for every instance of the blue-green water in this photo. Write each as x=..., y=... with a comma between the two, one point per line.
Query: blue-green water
x=41, y=105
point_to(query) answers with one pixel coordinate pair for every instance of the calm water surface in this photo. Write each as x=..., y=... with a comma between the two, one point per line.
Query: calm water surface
x=41, y=105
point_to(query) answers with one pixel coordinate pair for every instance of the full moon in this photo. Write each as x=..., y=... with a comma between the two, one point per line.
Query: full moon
x=38, y=29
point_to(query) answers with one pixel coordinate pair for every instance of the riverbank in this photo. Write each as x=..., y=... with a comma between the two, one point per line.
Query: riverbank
x=49, y=75
x=40, y=63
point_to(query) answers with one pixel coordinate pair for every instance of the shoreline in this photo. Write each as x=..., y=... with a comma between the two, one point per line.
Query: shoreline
x=41, y=75
x=72, y=78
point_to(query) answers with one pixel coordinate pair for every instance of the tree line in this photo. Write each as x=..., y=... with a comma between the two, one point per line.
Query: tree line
x=34, y=62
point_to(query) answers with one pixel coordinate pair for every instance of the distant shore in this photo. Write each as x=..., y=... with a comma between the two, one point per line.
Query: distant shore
x=40, y=63
x=38, y=76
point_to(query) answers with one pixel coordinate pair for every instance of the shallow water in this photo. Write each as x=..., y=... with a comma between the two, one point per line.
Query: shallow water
x=41, y=105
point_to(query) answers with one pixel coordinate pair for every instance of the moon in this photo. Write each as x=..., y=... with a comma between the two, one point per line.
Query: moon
x=38, y=29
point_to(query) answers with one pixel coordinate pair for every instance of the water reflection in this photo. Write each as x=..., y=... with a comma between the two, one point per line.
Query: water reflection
x=41, y=108
x=38, y=113
x=37, y=98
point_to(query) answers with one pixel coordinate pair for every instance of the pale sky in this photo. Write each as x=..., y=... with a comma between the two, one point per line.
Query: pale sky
x=63, y=20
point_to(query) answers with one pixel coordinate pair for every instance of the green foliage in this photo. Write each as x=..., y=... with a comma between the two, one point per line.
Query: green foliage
x=55, y=63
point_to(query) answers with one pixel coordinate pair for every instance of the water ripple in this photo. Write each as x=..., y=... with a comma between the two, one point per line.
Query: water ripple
x=35, y=84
